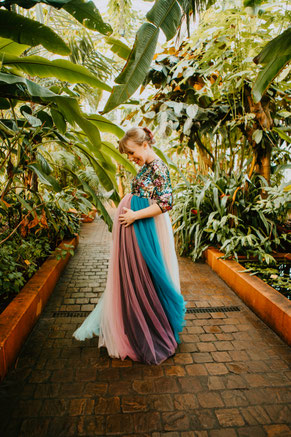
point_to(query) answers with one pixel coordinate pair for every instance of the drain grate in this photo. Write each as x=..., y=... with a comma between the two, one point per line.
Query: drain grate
x=212, y=309
x=189, y=311
x=71, y=313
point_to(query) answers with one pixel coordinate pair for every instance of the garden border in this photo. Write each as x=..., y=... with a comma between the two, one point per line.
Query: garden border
x=273, y=308
x=18, y=319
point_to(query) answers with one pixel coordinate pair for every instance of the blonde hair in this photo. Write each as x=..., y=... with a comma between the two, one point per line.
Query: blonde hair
x=138, y=135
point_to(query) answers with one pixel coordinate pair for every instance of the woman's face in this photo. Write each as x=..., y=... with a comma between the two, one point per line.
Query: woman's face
x=136, y=152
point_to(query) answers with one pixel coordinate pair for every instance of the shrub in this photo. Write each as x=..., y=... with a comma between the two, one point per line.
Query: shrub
x=235, y=214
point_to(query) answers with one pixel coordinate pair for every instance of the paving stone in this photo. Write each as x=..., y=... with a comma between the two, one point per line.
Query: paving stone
x=210, y=399
x=185, y=402
x=234, y=398
x=117, y=424
x=255, y=415
x=177, y=420
x=107, y=405
x=196, y=369
x=80, y=407
x=147, y=422
x=131, y=404
x=277, y=430
x=202, y=357
x=90, y=426
x=227, y=432
x=203, y=419
x=216, y=368
x=229, y=417
x=161, y=402
x=215, y=383
x=251, y=431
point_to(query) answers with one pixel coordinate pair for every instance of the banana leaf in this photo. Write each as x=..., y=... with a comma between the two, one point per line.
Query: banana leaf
x=110, y=150
x=106, y=179
x=82, y=10
x=105, y=125
x=23, y=30
x=68, y=106
x=118, y=47
x=45, y=178
x=274, y=56
x=59, y=68
x=97, y=203
x=137, y=66
x=165, y=15
x=11, y=47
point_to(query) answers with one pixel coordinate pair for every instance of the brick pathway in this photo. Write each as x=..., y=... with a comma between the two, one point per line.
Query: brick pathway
x=228, y=378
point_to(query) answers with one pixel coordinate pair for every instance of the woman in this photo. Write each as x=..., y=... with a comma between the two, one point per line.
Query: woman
x=141, y=311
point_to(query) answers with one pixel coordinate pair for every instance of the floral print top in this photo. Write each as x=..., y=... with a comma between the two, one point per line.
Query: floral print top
x=153, y=181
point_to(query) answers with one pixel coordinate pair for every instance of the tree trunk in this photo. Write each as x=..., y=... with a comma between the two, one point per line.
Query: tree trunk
x=263, y=121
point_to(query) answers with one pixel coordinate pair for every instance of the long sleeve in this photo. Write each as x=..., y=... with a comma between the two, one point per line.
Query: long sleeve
x=163, y=188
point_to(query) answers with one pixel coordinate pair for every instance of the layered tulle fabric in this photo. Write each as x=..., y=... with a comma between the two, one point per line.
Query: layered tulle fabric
x=141, y=311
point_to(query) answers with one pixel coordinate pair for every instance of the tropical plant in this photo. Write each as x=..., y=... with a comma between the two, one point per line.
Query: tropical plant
x=204, y=93
x=166, y=15
x=274, y=57
x=218, y=211
x=39, y=230
x=50, y=112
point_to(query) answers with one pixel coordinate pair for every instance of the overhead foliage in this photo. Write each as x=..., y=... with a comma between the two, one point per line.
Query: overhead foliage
x=83, y=11
x=165, y=15
x=59, y=68
x=24, y=30
x=204, y=93
x=274, y=56
x=35, y=114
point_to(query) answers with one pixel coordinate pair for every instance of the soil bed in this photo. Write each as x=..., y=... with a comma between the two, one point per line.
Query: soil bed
x=278, y=276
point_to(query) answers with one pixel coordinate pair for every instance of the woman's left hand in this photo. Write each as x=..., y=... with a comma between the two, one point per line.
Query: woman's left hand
x=128, y=217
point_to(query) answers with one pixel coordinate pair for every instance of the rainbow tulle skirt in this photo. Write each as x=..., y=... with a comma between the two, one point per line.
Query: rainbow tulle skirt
x=141, y=312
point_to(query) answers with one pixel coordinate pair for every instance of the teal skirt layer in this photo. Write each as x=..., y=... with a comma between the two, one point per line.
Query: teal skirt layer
x=172, y=301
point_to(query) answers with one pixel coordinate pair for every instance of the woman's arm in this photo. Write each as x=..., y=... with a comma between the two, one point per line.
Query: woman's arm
x=131, y=216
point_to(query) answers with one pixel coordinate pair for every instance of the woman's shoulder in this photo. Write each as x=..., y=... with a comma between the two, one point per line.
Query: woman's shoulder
x=159, y=165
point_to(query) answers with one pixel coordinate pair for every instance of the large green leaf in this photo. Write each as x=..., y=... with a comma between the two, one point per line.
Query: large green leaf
x=170, y=163
x=118, y=47
x=27, y=90
x=26, y=31
x=59, y=120
x=137, y=66
x=11, y=47
x=282, y=134
x=103, y=175
x=279, y=46
x=141, y=55
x=30, y=91
x=83, y=11
x=28, y=4
x=73, y=114
x=103, y=159
x=267, y=75
x=86, y=13
x=274, y=56
x=106, y=125
x=110, y=150
x=166, y=15
x=60, y=68
x=45, y=178
x=97, y=202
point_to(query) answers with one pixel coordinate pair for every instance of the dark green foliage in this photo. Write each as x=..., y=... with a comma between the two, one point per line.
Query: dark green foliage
x=23, y=253
x=219, y=211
